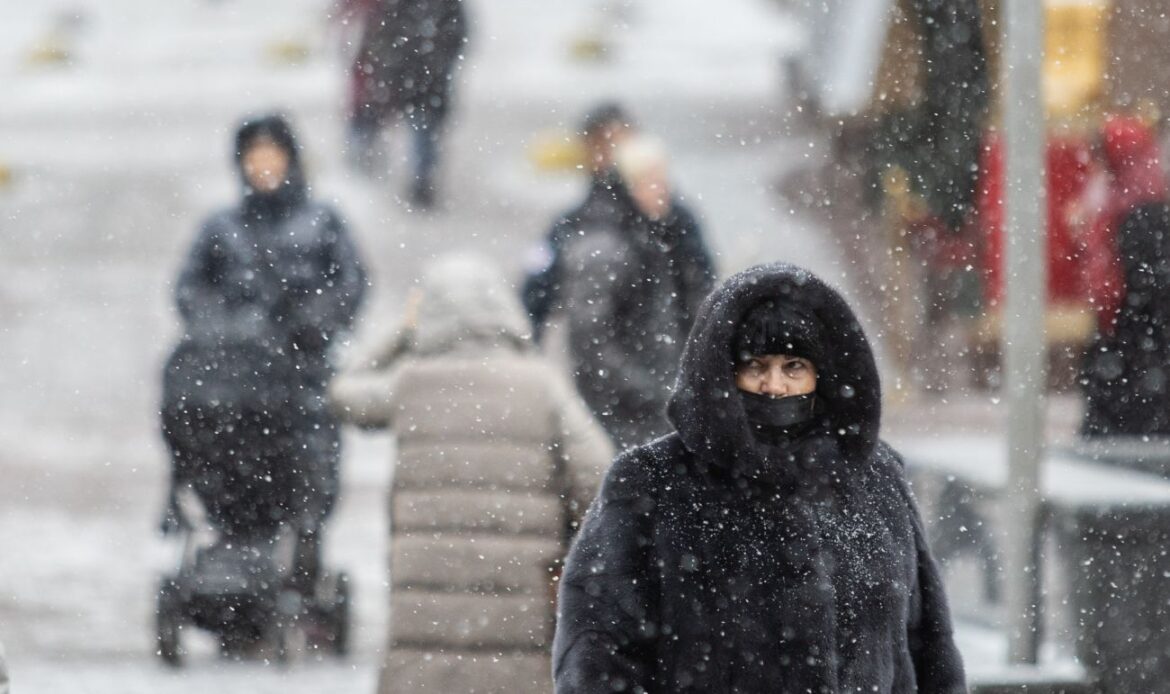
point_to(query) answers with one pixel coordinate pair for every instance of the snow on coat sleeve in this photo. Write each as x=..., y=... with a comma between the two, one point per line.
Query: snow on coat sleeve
x=698, y=269
x=366, y=395
x=607, y=606
x=938, y=665
x=541, y=279
x=583, y=447
x=366, y=399
x=333, y=304
x=591, y=288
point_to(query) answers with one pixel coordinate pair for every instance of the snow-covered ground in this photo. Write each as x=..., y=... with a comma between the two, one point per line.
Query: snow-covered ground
x=107, y=163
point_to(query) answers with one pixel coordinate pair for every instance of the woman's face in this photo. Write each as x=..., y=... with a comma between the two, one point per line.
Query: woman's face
x=265, y=165
x=651, y=192
x=777, y=375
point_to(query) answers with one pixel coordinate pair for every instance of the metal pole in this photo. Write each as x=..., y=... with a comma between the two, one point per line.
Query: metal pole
x=1025, y=345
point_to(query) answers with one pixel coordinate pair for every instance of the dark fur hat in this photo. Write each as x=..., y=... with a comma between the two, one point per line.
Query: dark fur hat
x=776, y=328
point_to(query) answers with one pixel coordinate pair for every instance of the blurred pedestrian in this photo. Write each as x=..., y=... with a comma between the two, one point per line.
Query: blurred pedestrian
x=606, y=203
x=497, y=460
x=1132, y=176
x=631, y=291
x=770, y=543
x=1126, y=377
x=267, y=288
x=404, y=69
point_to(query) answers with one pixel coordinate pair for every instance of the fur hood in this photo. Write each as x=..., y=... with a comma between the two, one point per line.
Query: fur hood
x=704, y=409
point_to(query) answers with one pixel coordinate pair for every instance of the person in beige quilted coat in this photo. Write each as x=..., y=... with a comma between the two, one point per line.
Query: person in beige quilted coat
x=497, y=461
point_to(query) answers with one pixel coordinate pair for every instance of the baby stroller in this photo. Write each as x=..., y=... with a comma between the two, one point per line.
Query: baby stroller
x=247, y=499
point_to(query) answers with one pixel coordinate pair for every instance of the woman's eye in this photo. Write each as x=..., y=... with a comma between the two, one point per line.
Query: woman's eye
x=794, y=366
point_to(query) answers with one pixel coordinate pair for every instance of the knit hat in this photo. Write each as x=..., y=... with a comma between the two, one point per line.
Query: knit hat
x=771, y=327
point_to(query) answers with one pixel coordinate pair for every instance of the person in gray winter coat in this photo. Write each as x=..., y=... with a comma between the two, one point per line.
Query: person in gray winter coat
x=631, y=291
x=269, y=285
x=770, y=544
x=606, y=203
x=497, y=460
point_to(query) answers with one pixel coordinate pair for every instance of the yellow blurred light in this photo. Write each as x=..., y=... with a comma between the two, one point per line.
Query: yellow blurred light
x=557, y=150
x=1074, y=61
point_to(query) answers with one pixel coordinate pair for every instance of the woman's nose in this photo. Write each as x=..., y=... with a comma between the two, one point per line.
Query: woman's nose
x=774, y=383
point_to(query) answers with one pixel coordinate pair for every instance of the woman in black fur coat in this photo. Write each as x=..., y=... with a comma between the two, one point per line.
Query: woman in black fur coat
x=770, y=544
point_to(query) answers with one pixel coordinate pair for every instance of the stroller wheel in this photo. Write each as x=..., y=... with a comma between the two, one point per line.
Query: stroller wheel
x=168, y=623
x=340, y=615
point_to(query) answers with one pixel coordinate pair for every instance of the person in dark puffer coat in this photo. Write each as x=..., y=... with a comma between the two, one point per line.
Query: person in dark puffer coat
x=268, y=286
x=768, y=544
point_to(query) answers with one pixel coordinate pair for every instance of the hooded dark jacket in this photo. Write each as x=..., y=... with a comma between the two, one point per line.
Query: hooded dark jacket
x=1127, y=374
x=407, y=58
x=712, y=563
x=630, y=295
x=265, y=290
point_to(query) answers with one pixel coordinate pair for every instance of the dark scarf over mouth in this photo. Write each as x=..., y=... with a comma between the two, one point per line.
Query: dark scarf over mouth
x=777, y=420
